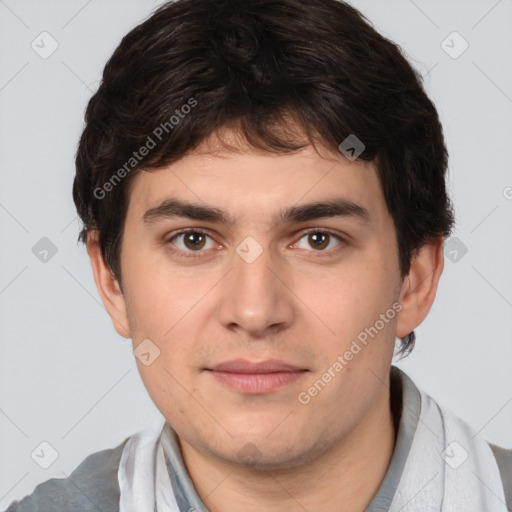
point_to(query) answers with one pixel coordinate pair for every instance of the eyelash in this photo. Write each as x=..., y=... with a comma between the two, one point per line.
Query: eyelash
x=197, y=254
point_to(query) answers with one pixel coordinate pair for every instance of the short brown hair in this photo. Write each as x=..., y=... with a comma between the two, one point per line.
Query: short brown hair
x=197, y=66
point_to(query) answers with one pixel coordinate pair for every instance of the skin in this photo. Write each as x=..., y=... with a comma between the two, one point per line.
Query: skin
x=287, y=304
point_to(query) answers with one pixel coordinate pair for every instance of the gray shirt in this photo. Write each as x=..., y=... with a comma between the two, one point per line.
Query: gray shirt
x=93, y=486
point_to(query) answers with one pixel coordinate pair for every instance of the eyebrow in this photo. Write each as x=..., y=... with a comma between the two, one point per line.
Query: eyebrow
x=336, y=207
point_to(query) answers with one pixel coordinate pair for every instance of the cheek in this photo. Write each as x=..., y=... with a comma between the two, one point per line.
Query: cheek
x=351, y=303
x=161, y=297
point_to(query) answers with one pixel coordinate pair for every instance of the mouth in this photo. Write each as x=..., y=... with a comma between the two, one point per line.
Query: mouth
x=256, y=377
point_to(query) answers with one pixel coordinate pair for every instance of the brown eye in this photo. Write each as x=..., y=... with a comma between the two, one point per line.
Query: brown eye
x=191, y=241
x=194, y=240
x=319, y=240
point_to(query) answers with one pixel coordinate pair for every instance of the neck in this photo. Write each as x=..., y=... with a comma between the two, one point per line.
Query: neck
x=349, y=474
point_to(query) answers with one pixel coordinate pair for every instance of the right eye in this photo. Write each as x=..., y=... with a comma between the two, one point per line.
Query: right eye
x=190, y=241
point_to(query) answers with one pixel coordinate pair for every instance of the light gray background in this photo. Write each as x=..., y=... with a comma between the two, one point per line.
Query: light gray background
x=67, y=378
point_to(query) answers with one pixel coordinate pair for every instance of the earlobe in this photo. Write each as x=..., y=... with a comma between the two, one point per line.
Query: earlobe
x=420, y=286
x=108, y=287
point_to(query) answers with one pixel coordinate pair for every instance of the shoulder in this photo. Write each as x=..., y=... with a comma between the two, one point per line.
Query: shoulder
x=504, y=460
x=92, y=486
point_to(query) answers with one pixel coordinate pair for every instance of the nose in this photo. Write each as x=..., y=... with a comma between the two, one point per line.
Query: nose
x=254, y=296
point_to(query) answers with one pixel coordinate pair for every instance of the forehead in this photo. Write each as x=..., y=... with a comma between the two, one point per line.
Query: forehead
x=259, y=185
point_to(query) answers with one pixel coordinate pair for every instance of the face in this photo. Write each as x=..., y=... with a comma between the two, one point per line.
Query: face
x=270, y=279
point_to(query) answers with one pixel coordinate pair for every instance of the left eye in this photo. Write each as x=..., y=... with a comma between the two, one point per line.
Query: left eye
x=320, y=240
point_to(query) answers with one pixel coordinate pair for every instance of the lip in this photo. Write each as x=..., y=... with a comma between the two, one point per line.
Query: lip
x=245, y=366
x=256, y=377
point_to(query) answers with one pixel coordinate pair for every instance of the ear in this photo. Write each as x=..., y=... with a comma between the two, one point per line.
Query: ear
x=108, y=287
x=420, y=286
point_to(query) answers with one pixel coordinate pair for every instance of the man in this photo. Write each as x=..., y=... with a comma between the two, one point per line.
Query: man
x=262, y=187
